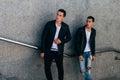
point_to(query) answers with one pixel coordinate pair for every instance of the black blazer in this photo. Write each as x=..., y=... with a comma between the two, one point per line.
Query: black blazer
x=80, y=41
x=49, y=33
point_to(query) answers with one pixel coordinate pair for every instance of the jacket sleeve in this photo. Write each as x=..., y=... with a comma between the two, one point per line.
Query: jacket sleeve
x=94, y=44
x=67, y=36
x=44, y=37
x=77, y=42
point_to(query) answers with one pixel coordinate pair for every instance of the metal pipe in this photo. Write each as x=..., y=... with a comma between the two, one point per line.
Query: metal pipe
x=19, y=43
x=34, y=47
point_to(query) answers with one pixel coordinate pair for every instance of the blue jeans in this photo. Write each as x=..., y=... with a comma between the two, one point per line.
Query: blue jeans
x=85, y=64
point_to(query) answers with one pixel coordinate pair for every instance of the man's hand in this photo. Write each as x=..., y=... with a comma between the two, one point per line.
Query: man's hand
x=81, y=58
x=57, y=41
x=93, y=58
x=42, y=55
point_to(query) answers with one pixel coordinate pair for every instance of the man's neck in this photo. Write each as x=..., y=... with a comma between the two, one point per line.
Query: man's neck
x=58, y=23
x=88, y=28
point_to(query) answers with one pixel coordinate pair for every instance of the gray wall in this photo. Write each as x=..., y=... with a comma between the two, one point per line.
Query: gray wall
x=24, y=20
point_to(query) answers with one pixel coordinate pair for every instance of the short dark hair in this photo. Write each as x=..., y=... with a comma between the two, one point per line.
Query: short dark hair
x=63, y=11
x=91, y=17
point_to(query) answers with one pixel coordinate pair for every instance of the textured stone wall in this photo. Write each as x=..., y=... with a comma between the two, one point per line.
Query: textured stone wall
x=24, y=20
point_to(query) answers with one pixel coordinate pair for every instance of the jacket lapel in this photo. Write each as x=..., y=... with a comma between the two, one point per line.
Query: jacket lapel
x=91, y=34
x=85, y=33
x=61, y=29
x=53, y=29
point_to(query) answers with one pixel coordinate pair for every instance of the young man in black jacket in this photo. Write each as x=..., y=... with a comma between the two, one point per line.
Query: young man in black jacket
x=85, y=46
x=55, y=34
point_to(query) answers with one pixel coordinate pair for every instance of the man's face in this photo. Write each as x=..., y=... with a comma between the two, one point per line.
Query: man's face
x=89, y=22
x=59, y=16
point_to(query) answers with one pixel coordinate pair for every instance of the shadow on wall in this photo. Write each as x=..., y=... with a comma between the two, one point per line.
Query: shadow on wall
x=42, y=22
x=77, y=23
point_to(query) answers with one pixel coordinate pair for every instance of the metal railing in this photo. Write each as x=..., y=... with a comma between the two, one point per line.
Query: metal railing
x=35, y=47
x=17, y=42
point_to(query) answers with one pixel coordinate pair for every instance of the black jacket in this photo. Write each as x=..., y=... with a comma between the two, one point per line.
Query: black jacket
x=80, y=41
x=49, y=33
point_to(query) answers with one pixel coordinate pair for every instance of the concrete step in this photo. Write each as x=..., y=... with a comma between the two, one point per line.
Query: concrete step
x=2, y=77
x=12, y=78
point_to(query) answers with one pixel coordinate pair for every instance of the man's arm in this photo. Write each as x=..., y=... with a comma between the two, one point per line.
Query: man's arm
x=44, y=37
x=78, y=45
x=77, y=42
x=94, y=46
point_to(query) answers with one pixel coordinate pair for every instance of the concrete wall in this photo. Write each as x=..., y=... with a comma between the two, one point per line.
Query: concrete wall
x=24, y=20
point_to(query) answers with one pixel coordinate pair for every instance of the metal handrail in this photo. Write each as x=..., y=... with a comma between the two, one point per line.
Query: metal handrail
x=107, y=50
x=99, y=51
x=35, y=47
x=17, y=42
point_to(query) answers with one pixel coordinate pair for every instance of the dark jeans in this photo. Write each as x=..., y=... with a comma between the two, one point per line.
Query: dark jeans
x=48, y=59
